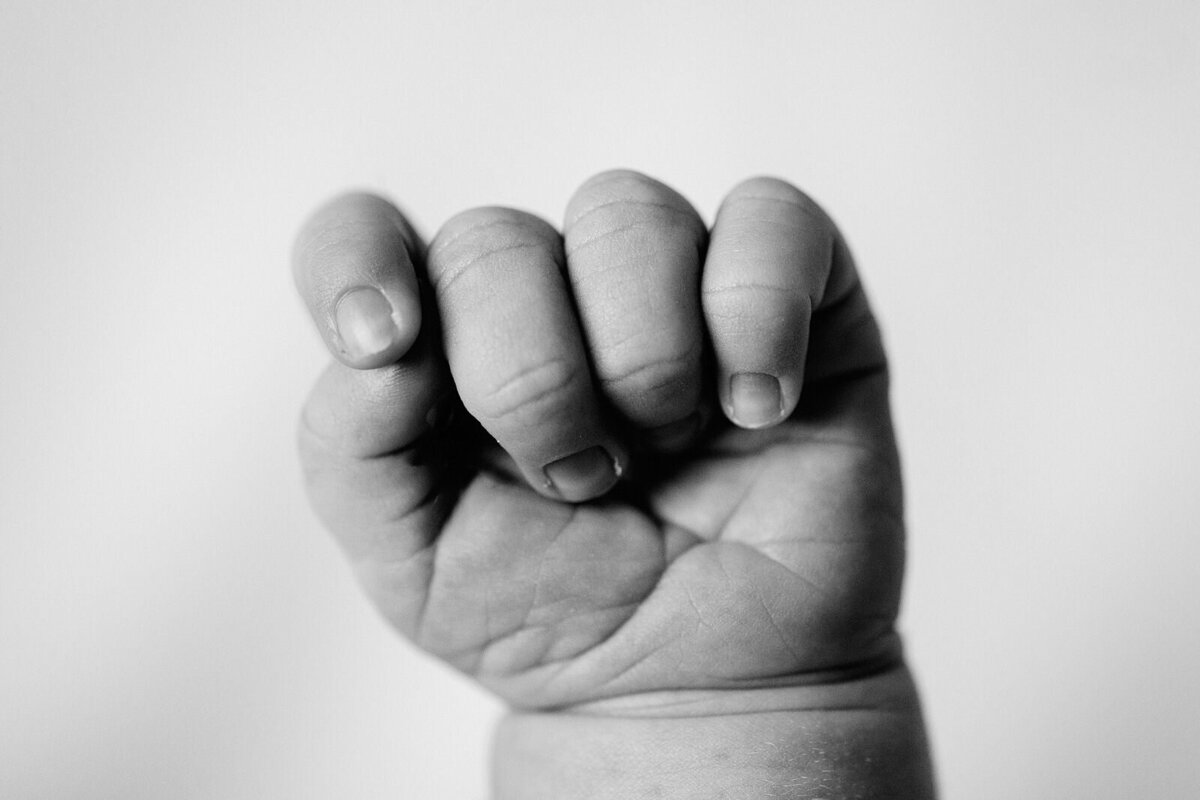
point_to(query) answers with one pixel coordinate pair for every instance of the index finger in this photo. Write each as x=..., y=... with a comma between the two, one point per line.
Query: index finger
x=353, y=265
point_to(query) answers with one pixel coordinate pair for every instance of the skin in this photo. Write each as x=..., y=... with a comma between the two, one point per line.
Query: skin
x=725, y=556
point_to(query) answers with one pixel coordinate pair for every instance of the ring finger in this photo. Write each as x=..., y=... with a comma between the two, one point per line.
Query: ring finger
x=634, y=248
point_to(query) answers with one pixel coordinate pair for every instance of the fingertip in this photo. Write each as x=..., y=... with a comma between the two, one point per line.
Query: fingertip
x=585, y=475
x=755, y=400
x=374, y=326
x=353, y=263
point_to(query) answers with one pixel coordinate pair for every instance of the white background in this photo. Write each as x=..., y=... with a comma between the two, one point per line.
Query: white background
x=1020, y=181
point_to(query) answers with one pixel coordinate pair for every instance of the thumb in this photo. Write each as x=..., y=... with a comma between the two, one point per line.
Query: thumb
x=374, y=471
x=353, y=265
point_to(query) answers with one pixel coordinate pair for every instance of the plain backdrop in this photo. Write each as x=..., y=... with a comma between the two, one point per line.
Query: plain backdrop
x=1021, y=184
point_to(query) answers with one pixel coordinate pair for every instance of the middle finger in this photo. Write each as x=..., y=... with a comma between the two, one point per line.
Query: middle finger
x=634, y=248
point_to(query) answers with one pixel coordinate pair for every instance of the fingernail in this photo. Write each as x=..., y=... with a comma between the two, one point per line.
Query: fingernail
x=584, y=475
x=365, y=323
x=755, y=398
x=674, y=435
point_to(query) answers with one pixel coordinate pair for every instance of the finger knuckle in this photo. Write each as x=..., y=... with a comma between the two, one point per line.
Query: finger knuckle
x=763, y=190
x=626, y=202
x=531, y=392
x=622, y=179
x=770, y=187
x=473, y=239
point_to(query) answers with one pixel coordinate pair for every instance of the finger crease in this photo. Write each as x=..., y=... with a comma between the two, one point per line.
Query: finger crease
x=686, y=213
x=550, y=377
x=445, y=279
x=803, y=207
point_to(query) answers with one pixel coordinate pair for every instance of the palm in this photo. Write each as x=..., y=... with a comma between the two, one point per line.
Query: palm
x=758, y=558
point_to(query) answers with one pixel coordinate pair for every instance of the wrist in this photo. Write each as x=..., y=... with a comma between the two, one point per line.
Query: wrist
x=857, y=738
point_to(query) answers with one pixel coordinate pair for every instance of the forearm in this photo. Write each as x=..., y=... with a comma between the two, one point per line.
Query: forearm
x=858, y=739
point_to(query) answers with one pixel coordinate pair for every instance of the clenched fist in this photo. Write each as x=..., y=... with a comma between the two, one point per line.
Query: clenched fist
x=639, y=473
